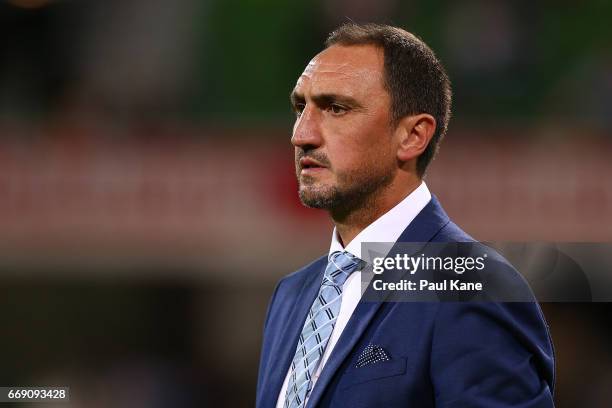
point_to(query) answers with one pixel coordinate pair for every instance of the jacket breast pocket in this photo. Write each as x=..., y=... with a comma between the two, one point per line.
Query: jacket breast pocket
x=377, y=371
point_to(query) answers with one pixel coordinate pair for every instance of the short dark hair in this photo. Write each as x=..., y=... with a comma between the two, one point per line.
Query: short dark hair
x=414, y=77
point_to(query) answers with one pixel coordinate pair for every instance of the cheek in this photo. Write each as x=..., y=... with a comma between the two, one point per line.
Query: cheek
x=362, y=142
x=357, y=158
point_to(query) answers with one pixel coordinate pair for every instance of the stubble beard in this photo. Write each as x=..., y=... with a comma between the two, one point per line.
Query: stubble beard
x=351, y=192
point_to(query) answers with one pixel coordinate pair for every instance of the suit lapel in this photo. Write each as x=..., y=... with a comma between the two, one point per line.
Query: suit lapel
x=287, y=341
x=422, y=229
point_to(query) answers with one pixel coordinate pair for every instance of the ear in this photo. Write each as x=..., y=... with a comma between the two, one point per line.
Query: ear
x=414, y=133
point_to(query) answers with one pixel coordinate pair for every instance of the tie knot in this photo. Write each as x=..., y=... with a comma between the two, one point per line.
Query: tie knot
x=340, y=266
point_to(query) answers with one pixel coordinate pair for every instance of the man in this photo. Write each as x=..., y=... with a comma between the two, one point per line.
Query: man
x=371, y=109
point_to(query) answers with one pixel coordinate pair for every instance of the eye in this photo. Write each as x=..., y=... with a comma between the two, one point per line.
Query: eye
x=337, y=110
x=299, y=108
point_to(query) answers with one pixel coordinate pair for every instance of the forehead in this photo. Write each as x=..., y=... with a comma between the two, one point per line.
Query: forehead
x=353, y=70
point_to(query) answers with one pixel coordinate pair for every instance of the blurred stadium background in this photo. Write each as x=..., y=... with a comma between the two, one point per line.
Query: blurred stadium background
x=147, y=196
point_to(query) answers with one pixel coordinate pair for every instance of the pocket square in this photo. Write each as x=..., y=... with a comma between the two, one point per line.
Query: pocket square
x=372, y=354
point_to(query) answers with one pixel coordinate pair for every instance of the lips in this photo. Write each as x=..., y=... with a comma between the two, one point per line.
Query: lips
x=306, y=163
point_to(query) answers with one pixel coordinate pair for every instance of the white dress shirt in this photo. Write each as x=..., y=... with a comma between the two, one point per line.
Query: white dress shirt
x=387, y=228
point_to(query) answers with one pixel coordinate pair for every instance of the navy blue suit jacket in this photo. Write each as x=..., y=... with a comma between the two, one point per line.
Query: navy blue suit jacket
x=442, y=354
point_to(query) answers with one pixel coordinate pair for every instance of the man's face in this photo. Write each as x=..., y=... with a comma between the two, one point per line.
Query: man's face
x=344, y=151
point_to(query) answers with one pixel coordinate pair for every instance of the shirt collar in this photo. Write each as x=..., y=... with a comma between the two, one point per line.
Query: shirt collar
x=389, y=226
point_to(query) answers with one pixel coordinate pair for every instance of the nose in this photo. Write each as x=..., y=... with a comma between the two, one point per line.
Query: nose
x=307, y=129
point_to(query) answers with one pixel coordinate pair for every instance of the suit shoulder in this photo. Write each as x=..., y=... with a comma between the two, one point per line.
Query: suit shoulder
x=451, y=232
x=504, y=281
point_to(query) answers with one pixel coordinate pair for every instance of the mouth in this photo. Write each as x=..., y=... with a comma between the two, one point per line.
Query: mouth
x=308, y=165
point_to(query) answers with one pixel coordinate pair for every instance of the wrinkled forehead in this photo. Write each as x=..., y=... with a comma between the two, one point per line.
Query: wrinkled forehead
x=347, y=69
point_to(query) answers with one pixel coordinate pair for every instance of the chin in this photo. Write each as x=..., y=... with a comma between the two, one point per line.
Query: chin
x=317, y=198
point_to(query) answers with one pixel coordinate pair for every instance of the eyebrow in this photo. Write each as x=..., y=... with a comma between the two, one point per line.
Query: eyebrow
x=325, y=99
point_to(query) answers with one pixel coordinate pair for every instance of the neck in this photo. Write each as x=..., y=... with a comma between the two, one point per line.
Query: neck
x=350, y=223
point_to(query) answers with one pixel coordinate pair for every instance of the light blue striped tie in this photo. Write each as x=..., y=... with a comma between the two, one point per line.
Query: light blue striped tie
x=318, y=327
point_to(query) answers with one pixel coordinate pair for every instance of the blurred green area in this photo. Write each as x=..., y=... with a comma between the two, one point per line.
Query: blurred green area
x=236, y=61
x=255, y=51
